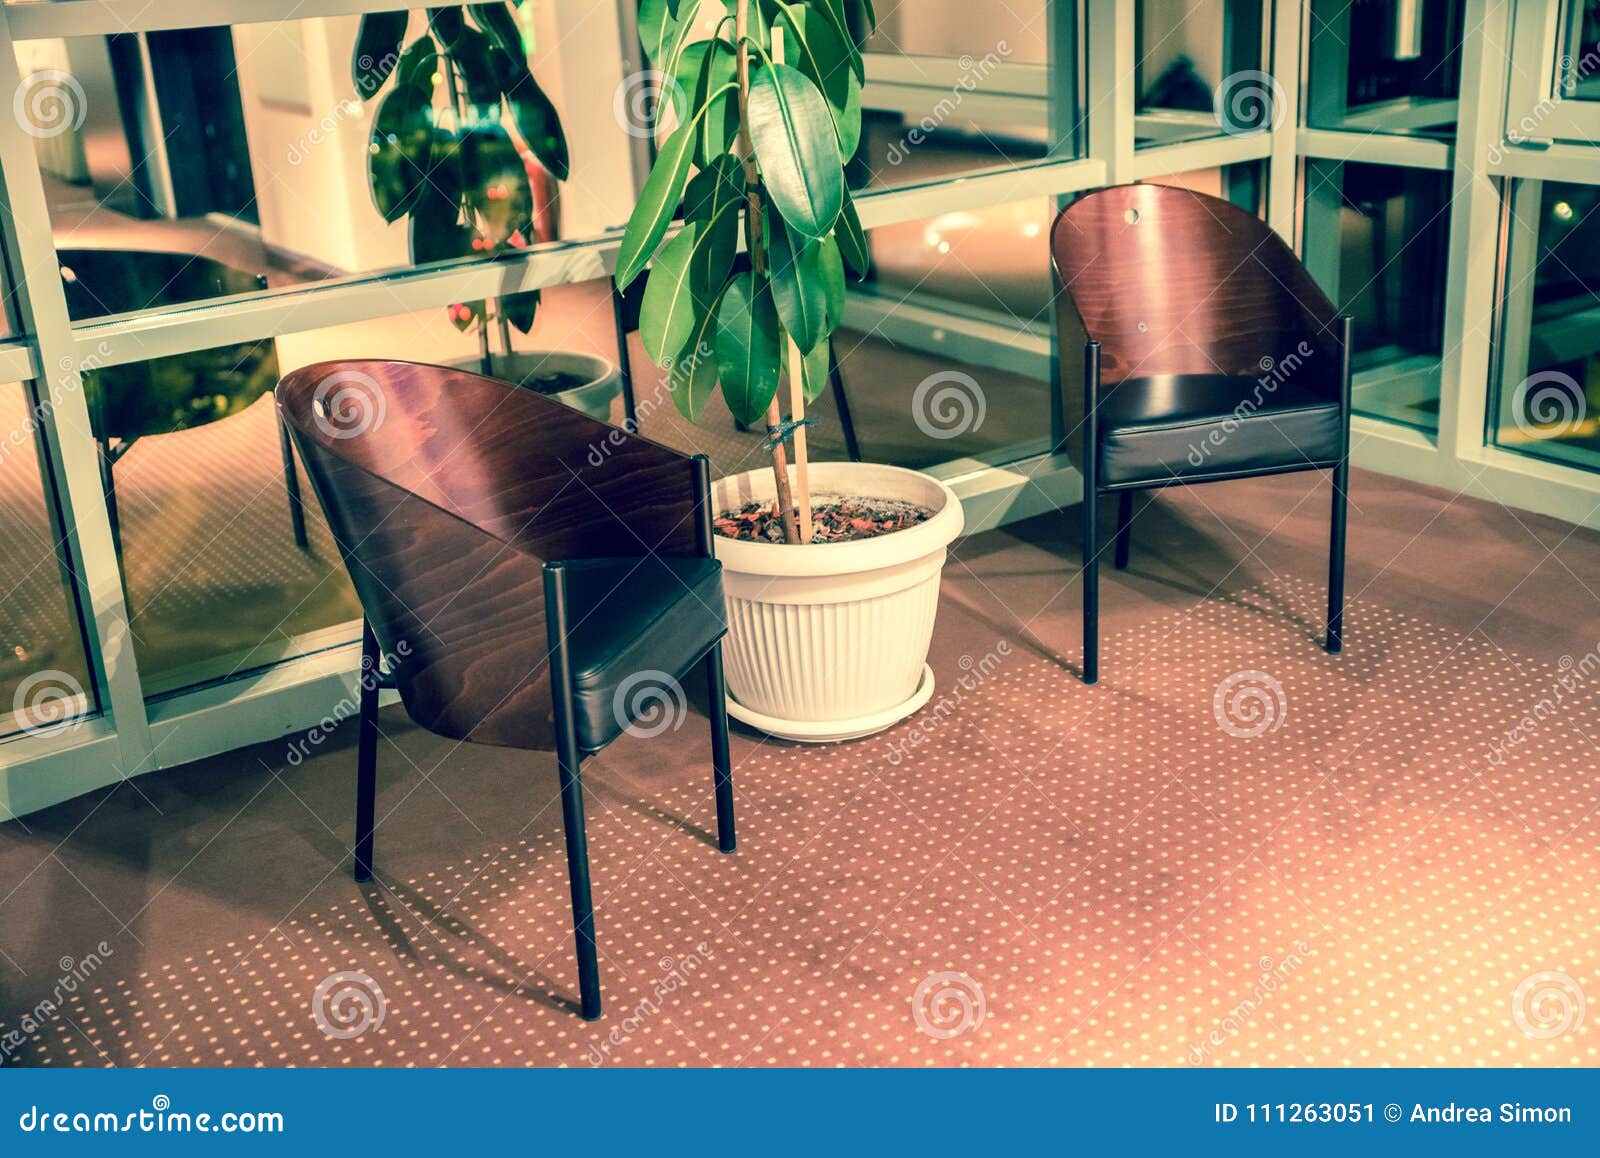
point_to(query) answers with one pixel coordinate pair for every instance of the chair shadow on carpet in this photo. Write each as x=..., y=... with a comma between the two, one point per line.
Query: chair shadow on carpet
x=500, y=970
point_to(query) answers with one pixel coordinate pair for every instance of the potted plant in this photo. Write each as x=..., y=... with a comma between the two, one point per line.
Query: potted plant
x=467, y=147
x=831, y=570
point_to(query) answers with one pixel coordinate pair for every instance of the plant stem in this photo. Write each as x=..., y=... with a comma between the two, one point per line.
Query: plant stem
x=485, y=358
x=756, y=243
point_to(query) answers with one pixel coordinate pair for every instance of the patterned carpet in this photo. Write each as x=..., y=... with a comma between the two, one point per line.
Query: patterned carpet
x=1236, y=850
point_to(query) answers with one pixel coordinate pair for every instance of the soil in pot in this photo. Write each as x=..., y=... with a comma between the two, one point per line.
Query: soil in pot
x=835, y=518
x=554, y=382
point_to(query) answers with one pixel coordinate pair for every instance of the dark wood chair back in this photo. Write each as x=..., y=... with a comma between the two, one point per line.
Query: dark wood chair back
x=1170, y=281
x=447, y=492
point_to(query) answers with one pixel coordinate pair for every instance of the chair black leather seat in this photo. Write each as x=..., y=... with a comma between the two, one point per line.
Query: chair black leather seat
x=1202, y=427
x=626, y=613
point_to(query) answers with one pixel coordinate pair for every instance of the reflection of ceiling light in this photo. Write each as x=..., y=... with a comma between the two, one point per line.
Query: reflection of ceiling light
x=1031, y=229
x=933, y=236
x=1562, y=211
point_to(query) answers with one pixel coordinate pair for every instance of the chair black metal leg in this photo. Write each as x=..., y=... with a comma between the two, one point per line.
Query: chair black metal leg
x=1124, y=530
x=569, y=761
x=721, y=765
x=108, y=485
x=291, y=484
x=367, y=753
x=1091, y=588
x=1334, y=642
x=630, y=412
x=841, y=404
x=1090, y=467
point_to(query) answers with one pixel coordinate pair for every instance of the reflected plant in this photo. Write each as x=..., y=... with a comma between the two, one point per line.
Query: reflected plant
x=767, y=108
x=461, y=142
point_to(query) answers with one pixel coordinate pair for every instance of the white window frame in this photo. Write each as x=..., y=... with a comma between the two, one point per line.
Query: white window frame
x=1536, y=111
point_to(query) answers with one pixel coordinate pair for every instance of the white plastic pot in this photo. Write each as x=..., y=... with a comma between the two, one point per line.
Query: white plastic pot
x=602, y=383
x=829, y=641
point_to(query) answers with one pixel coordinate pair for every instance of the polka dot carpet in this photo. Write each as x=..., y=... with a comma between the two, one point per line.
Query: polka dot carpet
x=1236, y=850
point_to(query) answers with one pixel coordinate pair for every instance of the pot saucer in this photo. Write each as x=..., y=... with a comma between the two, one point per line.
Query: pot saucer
x=830, y=731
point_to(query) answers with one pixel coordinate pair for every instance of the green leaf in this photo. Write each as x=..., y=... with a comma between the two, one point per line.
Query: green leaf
x=707, y=67
x=690, y=270
x=748, y=351
x=852, y=239
x=829, y=269
x=538, y=123
x=400, y=154
x=437, y=233
x=814, y=370
x=480, y=70
x=502, y=27
x=519, y=309
x=658, y=200
x=866, y=15
x=798, y=287
x=418, y=64
x=377, y=50
x=663, y=31
x=666, y=315
x=692, y=377
x=815, y=47
x=796, y=147
x=447, y=24
x=849, y=125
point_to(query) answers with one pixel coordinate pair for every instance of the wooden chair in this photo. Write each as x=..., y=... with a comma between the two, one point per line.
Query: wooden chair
x=1194, y=348
x=533, y=578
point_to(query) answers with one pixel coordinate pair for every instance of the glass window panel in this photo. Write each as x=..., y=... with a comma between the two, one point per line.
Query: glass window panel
x=1198, y=70
x=1548, y=404
x=44, y=678
x=1385, y=66
x=210, y=162
x=1376, y=237
x=945, y=349
x=1579, y=64
x=954, y=87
